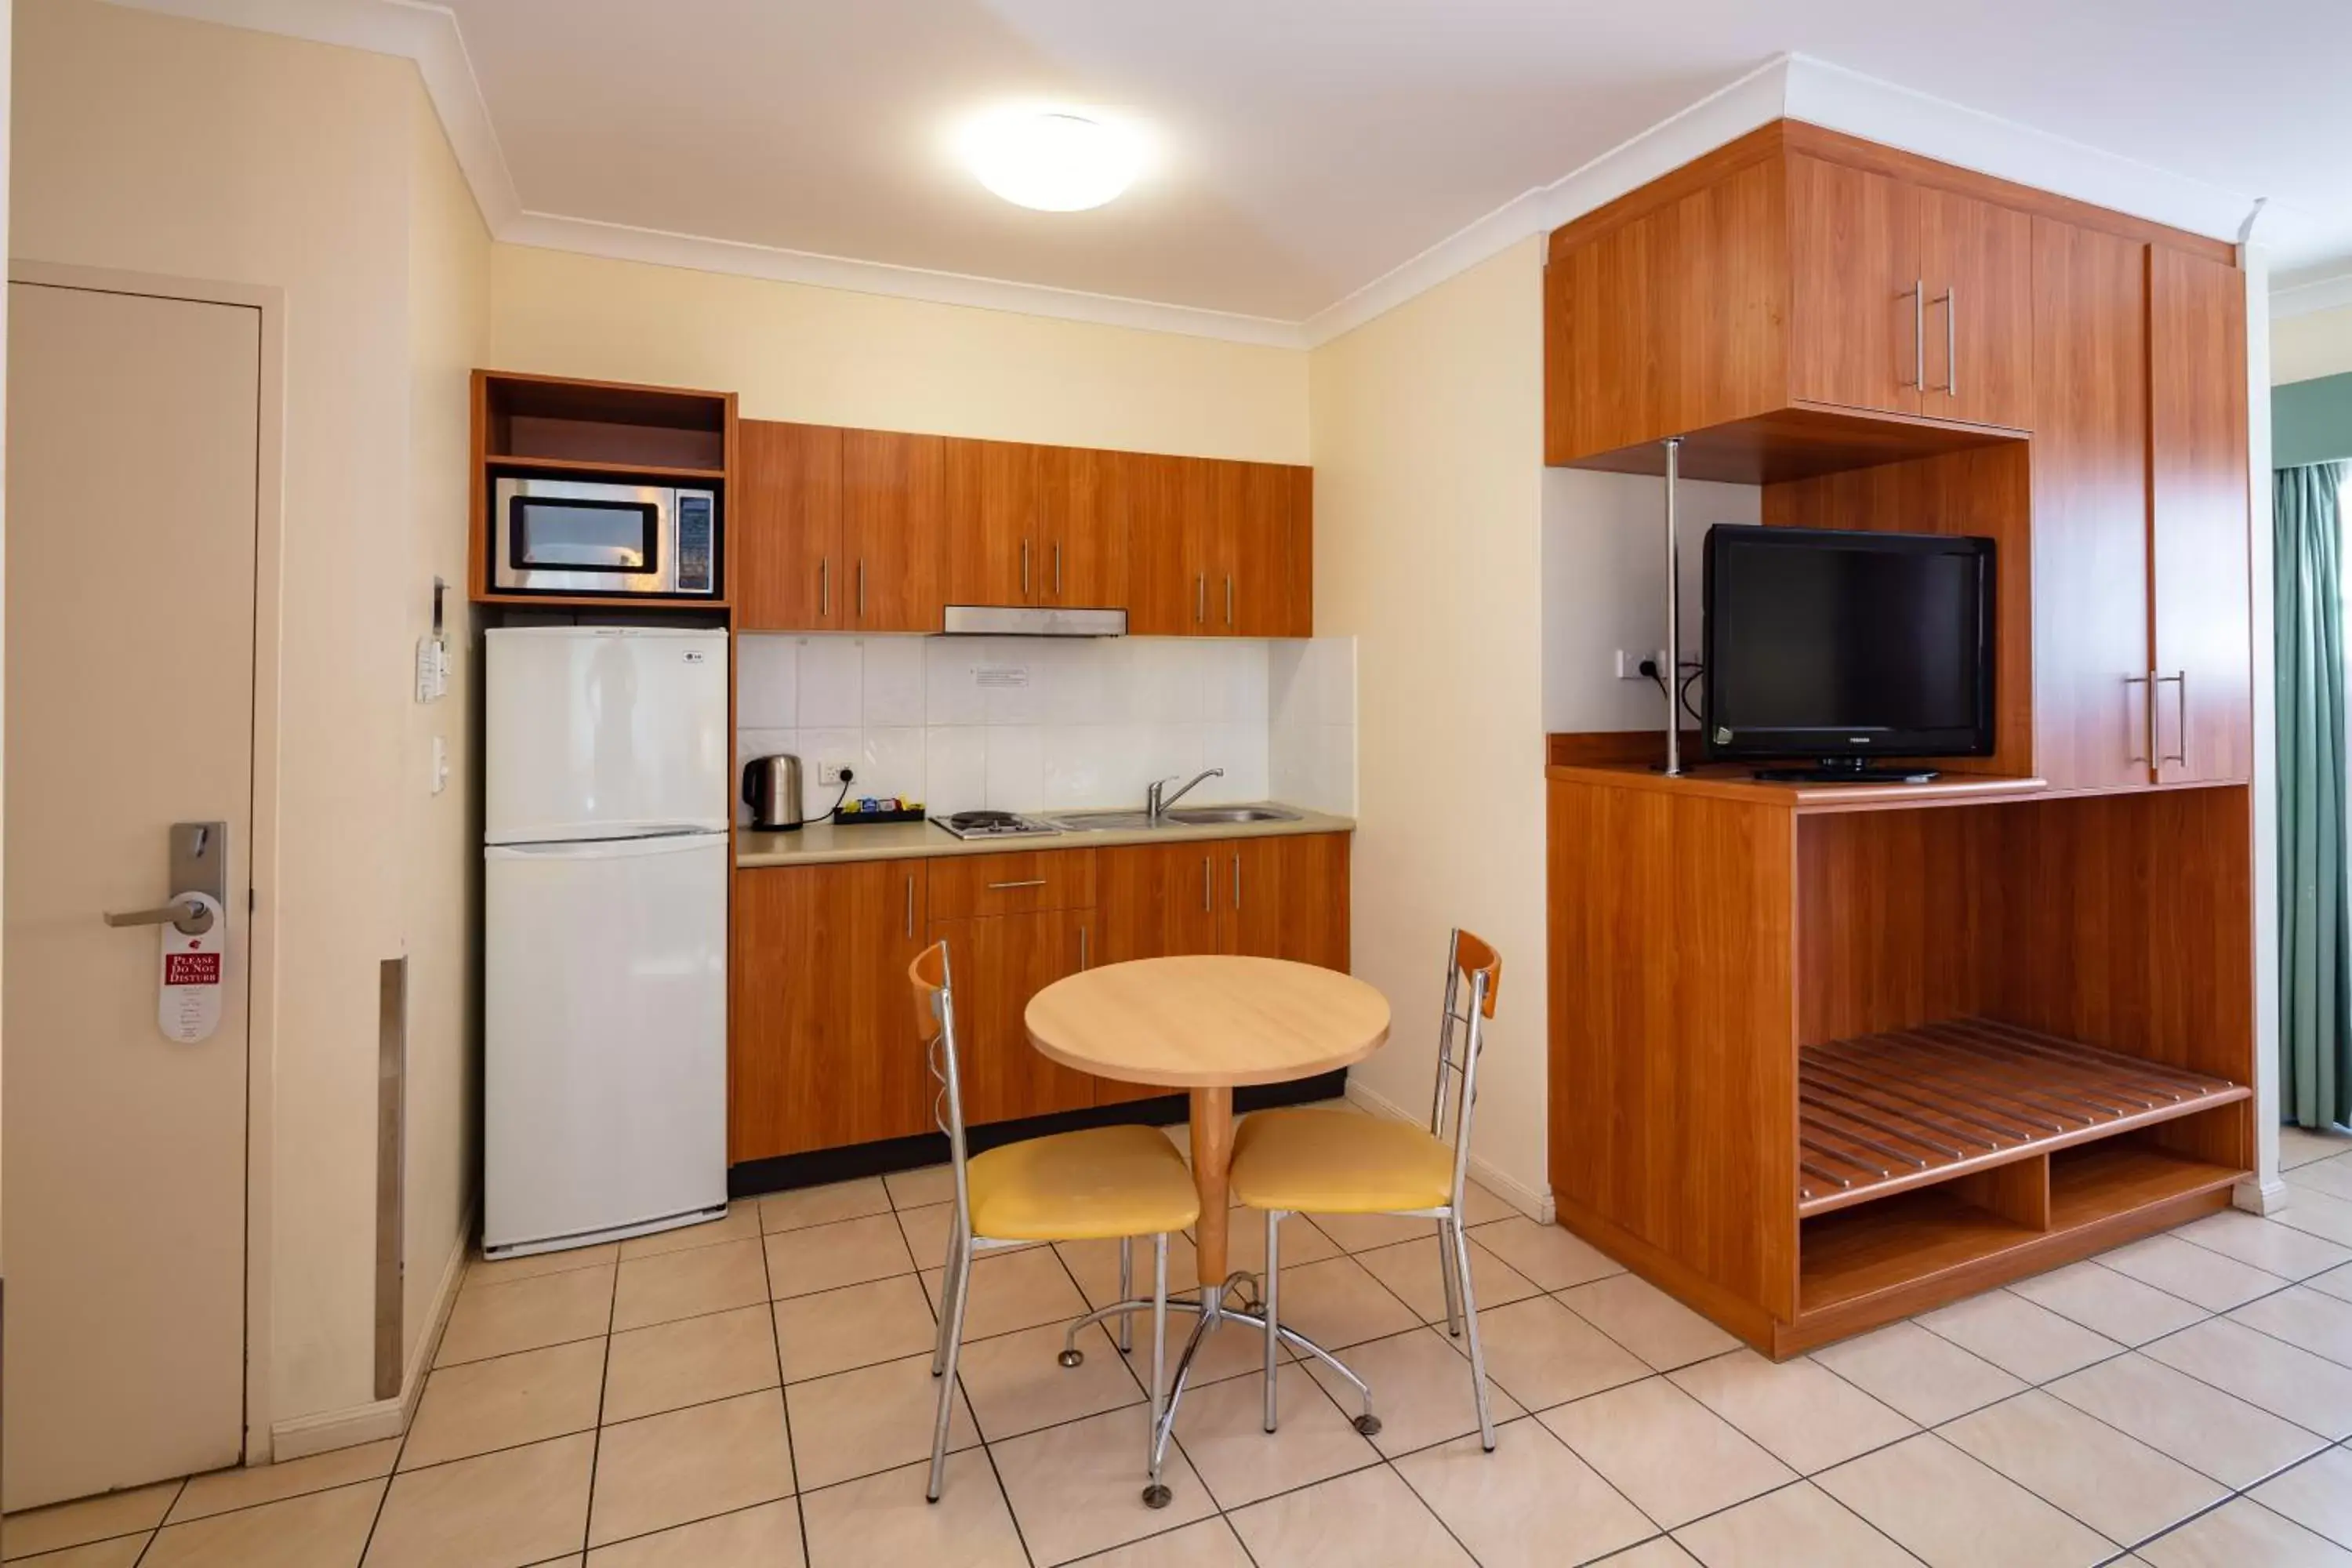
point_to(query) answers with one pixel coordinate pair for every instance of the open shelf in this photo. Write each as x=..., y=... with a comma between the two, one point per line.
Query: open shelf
x=1884, y=1113
x=598, y=469
x=1912, y=1242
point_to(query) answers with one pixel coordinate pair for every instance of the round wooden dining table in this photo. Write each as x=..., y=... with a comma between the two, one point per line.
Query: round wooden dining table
x=1208, y=1024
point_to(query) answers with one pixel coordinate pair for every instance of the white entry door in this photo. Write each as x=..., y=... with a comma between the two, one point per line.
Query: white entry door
x=132, y=429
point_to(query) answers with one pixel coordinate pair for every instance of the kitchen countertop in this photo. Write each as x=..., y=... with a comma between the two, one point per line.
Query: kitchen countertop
x=826, y=843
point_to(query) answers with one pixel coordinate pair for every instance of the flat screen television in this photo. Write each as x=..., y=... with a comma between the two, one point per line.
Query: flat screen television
x=1832, y=647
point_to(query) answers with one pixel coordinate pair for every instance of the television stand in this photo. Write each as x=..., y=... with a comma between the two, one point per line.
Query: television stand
x=1833, y=771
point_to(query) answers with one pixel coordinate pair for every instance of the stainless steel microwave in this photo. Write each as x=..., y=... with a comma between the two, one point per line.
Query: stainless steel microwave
x=581, y=536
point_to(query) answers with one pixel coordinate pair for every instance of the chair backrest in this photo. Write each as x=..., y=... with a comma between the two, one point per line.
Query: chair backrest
x=934, y=998
x=1471, y=962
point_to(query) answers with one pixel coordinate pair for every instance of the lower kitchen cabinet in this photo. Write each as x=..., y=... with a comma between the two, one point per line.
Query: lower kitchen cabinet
x=823, y=1051
x=823, y=1044
x=997, y=962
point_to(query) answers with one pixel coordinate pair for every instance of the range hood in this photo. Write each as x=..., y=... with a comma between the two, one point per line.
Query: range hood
x=1026, y=621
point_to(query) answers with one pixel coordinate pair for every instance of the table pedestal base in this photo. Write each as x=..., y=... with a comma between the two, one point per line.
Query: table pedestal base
x=1214, y=1313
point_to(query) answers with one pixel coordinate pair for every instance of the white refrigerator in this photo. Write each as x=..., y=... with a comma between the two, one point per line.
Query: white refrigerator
x=606, y=817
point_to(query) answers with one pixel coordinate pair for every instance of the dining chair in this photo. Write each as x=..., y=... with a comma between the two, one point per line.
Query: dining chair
x=1121, y=1181
x=1310, y=1161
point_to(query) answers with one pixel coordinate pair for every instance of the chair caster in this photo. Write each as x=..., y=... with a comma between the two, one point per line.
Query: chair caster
x=1071, y=1358
x=1369, y=1425
x=1156, y=1496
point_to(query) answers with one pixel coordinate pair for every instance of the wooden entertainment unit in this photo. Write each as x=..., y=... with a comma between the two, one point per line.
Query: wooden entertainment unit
x=1825, y=1056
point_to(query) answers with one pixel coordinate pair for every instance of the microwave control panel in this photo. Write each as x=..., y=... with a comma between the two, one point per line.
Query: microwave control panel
x=697, y=543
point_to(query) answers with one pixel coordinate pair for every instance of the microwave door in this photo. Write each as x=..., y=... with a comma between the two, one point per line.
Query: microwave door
x=566, y=536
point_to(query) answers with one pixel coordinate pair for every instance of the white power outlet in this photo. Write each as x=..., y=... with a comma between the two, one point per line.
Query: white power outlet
x=1629, y=662
x=828, y=773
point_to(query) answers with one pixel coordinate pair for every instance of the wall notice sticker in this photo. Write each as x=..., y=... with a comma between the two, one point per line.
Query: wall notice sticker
x=190, y=978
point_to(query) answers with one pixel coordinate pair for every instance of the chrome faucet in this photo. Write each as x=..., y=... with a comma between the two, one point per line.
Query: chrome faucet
x=1156, y=805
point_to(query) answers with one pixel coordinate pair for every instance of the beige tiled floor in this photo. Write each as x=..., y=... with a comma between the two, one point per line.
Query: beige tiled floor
x=758, y=1391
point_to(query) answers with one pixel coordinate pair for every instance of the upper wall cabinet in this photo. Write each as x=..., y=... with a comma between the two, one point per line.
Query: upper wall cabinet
x=1779, y=286
x=838, y=531
x=870, y=530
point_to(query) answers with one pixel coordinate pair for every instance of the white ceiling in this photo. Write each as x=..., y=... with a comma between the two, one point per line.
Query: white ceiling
x=1310, y=147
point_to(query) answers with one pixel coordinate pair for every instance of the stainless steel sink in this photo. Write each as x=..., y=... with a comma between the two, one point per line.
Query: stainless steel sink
x=1178, y=817
x=1209, y=815
x=1105, y=820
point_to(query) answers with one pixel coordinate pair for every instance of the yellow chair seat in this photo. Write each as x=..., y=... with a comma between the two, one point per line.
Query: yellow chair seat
x=1078, y=1186
x=1336, y=1161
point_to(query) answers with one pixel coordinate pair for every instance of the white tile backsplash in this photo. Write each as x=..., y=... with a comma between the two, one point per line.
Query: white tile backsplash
x=1024, y=723
x=831, y=681
x=893, y=681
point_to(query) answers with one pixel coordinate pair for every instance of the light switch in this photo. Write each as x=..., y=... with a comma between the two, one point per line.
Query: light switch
x=440, y=764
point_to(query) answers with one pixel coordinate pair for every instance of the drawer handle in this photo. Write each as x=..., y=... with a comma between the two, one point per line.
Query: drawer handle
x=1032, y=882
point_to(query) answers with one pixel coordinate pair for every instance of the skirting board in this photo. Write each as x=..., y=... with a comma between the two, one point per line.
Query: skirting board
x=2259, y=1198
x=1535, y=1206
x=305, y=1434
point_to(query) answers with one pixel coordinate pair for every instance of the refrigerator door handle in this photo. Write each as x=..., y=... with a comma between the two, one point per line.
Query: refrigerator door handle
x=601, y=848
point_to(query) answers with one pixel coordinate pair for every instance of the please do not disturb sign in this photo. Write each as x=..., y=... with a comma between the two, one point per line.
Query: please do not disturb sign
x=189, y=986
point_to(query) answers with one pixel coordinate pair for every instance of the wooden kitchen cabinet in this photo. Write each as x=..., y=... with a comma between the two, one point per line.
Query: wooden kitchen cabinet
x=1082, y=535
x=997, y=964
x=1146, y=492
x=893, y=528
x=1976, y=259
x=1284, y=897
x=991, y=518
x=784, y=530
x=2198, y=547
x=1857, y=334
x=1212, y=547
x=822, y=1049
x=2090, y=602
x=1154, y=900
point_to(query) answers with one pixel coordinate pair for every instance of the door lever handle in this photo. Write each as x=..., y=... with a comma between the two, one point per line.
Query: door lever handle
x=188, y=914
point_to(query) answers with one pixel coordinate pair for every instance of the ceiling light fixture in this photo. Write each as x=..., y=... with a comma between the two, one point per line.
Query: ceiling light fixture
x=1052, y=160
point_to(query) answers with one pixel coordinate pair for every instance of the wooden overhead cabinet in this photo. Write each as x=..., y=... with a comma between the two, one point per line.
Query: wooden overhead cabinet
x=839, y=531
x=1755, y=299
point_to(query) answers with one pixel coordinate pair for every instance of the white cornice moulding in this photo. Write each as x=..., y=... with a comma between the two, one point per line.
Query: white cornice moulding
x=1836, y=98
x=1798, y=87
x=2308, y=294
x=624, y=242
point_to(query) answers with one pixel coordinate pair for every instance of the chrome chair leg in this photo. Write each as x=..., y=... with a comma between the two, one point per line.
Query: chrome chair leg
x=1477, y=1352
x=1453, y=1294
x=952, y=1326
x=957, y=1243
x=1272, y=1305
x=1125, y=1289
x=1155, y=1495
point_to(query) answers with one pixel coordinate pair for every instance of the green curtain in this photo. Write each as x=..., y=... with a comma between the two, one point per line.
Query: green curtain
x=2315, y=894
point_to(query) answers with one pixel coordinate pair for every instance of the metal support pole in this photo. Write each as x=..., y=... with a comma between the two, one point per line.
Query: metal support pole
x=1673, y=672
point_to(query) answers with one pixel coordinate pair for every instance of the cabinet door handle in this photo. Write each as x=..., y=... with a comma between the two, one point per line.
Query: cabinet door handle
x=1918, y=333
x=1082, y=949
x=2147, y=712
x=1229, y=599
x=824, y=586
x=1025, y=568
x=861, y=587
x=1206, y=906
x=910, y=906
x=1951, y=339
x=1200, y=598
x=1057, y=569
x=1237, y=879
x=1029, y=882
x=2180, y=682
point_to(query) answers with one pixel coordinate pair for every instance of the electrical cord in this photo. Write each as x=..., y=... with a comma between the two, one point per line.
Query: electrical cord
x=1682, y=693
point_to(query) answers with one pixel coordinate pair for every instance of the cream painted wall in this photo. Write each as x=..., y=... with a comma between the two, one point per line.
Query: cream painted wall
x=161, y=145
x=448, y=334
x=2318, y=344
x=1428, y=451
x=831, y=357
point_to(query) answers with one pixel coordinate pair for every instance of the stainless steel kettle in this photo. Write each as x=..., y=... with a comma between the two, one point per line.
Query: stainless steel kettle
x=771, y=788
